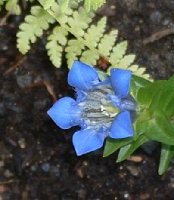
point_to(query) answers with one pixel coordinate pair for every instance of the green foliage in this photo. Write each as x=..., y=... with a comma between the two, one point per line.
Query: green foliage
x=74, y=35
x=55, y=44
x=93, y=4
x=127, y=150
x=155, y=121
x=12, y=6
x=33, y=27
x=167, y=153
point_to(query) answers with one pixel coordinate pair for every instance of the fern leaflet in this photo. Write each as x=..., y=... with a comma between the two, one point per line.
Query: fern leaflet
x=79, y=22
x=93, y=4
x=33, y=27
x=73, y=50
x=107, y=42
x=56, y=41
x=117, y=53
x=126, y=61
x=13, y=7
x=94, y=33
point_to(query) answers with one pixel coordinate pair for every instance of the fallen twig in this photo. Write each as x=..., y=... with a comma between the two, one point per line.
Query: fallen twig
x=47, y=85
x=158, y=35
x=13, y=67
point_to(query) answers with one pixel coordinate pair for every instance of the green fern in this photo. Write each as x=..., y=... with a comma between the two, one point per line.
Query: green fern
x=95, y=32
x=79, y=22
x=56, y=42
x=73, y=50
x=93, y=4
x=107, y=42
x=2, y=3
x=87, y=41
x=12, y=6
x=32, y=28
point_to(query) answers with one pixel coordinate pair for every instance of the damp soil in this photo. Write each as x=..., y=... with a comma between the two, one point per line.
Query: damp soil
x=37, y=160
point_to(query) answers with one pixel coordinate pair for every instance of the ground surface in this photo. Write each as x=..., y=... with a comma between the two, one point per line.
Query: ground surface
x=37, y=161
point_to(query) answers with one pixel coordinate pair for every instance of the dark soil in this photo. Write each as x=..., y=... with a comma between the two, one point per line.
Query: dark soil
x=37, y=160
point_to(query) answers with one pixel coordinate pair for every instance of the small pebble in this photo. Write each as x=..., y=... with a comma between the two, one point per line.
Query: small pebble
x=133, y=170
x=135, y=159
x=8, y=173
x=156, y=17
x=1, y=163
x=45, y=167
x=23, y=80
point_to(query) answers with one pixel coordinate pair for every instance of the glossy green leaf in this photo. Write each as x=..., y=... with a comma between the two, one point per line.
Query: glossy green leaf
x=113, y=145
x=146, y=94
x=137, y=83
x=167, y=153
x=127, y=150
x=160, y=129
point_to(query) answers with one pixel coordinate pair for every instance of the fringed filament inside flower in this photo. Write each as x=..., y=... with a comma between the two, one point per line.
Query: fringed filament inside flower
x=98, y=110
x=100, y=107
x=109, y=110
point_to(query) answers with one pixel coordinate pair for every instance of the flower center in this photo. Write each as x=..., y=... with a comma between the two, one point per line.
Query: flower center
x=101, y=106
x=98, y=110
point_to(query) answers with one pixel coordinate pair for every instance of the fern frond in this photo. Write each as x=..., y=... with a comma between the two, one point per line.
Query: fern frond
x=126, y=61
x=94, y=33
x=88, y=42
x=90, y=57
x=73, y=50
x=93, y=4
x=12, y=6
x=79, y=22
x=107, y=42
x=56, y=42
x=33, y=27
x=1, y=3
x=139, y=71
x=60, y=11
x=117, y=53
x=47, y=3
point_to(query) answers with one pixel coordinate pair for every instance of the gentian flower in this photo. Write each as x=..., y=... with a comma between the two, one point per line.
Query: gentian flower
x=101, y=108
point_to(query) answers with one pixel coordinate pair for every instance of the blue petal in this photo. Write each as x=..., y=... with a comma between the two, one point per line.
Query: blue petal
x=80, y=95
x=116, y=101
x=120, y=81
x=65, y=113
x=82, y=76
x=87, y=140
x=122, y=127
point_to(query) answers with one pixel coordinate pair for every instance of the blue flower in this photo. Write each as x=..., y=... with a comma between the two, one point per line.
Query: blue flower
x=102, y=108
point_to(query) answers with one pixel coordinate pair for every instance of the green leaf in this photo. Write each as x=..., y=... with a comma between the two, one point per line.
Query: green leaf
x=160, y=129
x=93, y=4
x=73, y=50
x=94, y=33
x=117, y=53
x=47, y=3
x=13, y=7
x=113, y=145
x=167, y=153
x=139, y=71
x=56, y=41
x=79, y=22
x=107, y=42
x=137, y=83
x=2, y=3
x=127, y=150
x=126, y=61
x=90, y=57
x=164, y=100
x=32, y=28
x=146, y=94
